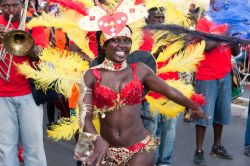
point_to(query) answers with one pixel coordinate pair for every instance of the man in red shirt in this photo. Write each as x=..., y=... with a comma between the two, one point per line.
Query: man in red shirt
x=213, y=80
x=19, y=114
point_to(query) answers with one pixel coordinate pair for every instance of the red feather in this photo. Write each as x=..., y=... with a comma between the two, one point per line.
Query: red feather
x=77, y=6
x=147, y=41
x=199, y=99
x=137, y=2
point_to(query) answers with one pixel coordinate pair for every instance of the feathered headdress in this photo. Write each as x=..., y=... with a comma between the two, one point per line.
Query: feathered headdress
x=112, y=22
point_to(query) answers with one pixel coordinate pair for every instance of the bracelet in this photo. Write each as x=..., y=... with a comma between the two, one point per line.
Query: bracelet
x=88, y=136
x=85, y=146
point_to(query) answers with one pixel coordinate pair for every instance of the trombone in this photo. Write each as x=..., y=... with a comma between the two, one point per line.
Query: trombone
x=6, y=61
x=15, y=42
x=2, y=50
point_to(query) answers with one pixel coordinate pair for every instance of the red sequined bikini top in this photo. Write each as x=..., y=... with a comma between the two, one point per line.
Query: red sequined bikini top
x=106, y=99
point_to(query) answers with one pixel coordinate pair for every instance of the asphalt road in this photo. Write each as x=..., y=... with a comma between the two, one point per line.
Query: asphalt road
x=61, y=153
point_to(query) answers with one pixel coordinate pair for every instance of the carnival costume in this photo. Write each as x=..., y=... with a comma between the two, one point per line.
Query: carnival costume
x=63, y=72
x=54, y=63
x=107, y=100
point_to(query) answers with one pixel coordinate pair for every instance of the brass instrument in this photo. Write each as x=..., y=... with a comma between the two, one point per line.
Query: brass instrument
x=6, y=62
x=18, y=42
x=15, y=42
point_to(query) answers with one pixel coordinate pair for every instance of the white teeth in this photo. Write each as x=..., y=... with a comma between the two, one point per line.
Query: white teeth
x=120, y=52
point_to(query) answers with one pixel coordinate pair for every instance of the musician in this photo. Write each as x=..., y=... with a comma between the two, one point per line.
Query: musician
x=213, y=80
x=19, y=114
x=159, y=125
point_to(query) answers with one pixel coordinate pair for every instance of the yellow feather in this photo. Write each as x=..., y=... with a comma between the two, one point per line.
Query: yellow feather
x=50, y=20
x=65, y=129
x=69, y=61
x=166, y=107
x=79, y=37
x=155, y=4
x=163, y=38
x=187, y=60
x=172, y=16
x=184, y=4
x=86, y=3
x=68, y=22
x=57, y=70
x=55, y=79
x=137, y=34
x=26, y=70
x=170, y=50
x=175, y=16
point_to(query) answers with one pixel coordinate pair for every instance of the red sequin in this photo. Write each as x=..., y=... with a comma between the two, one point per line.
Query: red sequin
x=117, y=66
x=107, y=99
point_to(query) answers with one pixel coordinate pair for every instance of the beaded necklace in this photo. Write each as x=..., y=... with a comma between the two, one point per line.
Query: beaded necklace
x=112, y=66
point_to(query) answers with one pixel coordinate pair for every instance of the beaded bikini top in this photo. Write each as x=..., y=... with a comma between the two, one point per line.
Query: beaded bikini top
x=106, y=99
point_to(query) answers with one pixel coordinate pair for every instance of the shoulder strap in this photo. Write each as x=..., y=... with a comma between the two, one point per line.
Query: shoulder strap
x=133, y=66
x=96, y=74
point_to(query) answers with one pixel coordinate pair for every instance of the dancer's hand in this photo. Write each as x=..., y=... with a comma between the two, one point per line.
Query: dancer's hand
x=100, y=151
x=196, y=113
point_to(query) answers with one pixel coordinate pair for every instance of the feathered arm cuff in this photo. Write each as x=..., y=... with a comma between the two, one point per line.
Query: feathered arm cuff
x=86, y=141
x=85, y=102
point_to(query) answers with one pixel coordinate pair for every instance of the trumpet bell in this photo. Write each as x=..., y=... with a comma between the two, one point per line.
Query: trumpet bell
x=18, y=42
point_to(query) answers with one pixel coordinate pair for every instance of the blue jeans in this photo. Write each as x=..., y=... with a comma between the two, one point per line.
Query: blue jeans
x=247, y=133
x=20, y=116
x=151, y=121
x=163, y=128
x=218, y=98
x=166, y=131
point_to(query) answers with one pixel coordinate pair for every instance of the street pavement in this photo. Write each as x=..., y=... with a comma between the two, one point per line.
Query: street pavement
x=232, y=139
x=61, y=153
